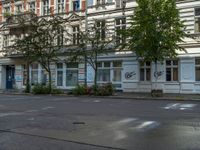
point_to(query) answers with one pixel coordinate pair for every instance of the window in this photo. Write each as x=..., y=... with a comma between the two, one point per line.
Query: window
x=145, y=71
x=60, y=74
x=101, y=29
x=24, y=74
x=103, y=72
x=197, y=69
x=171, y=70
x=34, y=74
x=100, y=2
x=43, y=76
x=6, y=40
x=18, y=9
x=75, y=30
x=76, y=5
x=117, y=68
x=197, y=19
x=32, y=7
x=60, y=6
x=120, y=24
x=46, y=9
x=120, y=3
x=6, y=9
x=72, y=74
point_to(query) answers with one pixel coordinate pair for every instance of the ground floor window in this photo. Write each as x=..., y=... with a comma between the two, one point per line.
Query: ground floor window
x=145, y=71
x=171, y=70
x=60, y=74
x=71, y=74
x=34, y=74
x=197, y=69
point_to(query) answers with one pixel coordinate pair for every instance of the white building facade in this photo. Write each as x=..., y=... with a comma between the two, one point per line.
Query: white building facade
x=180, y=75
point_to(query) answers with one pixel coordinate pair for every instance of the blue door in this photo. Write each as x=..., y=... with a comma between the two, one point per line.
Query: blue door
x=10, y=76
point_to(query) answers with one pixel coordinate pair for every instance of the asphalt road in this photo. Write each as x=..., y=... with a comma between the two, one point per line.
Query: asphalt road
x=77, y=123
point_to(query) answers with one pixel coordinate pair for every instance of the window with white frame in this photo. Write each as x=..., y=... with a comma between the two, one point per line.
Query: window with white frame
x=117, y=71
x=32, y=6
x=75, y=33
x=101, y=29
x=45, y=7
x=197, y=69
x=60, y=37
x=34, y=74
x=59, y=74
x=43, y=76
x=145, y=71
x=76, y=5
x=6, y=9
x=6, y=39
x=197, y=19
x=120, y=24
x=72, y=74
x=18, y=9
x=60, y=6
x=24, y=74
x=171, y=70
x=100, y=2
x=120, y=3
x=103, y=71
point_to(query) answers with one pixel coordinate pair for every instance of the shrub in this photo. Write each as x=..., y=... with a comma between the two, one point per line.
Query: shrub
x=43, y=89
x=79, y=90
x=104, y=90
x=40, y=89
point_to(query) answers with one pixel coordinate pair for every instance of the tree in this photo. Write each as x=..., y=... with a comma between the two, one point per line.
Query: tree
x=23, y=46
x=49, y=40
x=155, y=31
x=96, y=41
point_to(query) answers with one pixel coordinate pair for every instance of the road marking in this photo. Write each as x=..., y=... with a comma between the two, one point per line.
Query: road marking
x=179, y=106
x=30, y=111
x=147, y=125
x=48, y=107
x=10, y=114
x=96, y=101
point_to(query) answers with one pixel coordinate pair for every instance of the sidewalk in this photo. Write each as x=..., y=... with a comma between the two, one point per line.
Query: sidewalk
x=147, y=96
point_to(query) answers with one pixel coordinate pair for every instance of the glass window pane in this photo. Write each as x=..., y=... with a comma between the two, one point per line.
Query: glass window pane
x=71, y=77
x=59, y=65
x=99, y=64
x=197, y=73
x=117, y=75
x=106, y=64
x=72, y=65
x=43, y=77
x=168, y=74
x=141, y=74
x=34, y=77
x=175, y=74
x=148, y=74
x=197, y=61
x=168, y=62
x=103, y=75
x=34, y=66
x=197, y=11
x=175, y=62
x=117, y=64
x=148, y=63
x=60, y=78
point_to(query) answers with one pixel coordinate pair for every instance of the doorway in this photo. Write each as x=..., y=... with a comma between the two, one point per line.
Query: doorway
x=10, y=76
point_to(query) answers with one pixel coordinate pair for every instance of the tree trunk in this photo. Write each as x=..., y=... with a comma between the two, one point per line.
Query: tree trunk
x=27, y=90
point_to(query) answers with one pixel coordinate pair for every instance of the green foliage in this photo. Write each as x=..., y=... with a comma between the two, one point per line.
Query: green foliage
x=79, y=90
x=43, y=89
x=155, y=30
x=105, y=90
x=40, y=89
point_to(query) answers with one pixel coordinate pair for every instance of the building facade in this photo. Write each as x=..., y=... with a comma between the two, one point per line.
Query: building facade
x=180, y=75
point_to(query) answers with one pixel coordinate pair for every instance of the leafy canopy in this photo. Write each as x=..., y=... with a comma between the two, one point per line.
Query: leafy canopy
x=156, y=30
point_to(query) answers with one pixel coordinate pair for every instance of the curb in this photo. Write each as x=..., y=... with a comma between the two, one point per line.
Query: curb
x=111, y=97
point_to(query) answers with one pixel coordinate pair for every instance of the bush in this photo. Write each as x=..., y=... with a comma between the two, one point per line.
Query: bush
x=104, y=90
x=40, y=89
x=43, y=89
x=79, y=90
